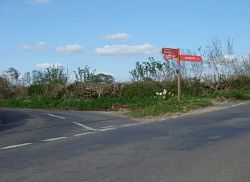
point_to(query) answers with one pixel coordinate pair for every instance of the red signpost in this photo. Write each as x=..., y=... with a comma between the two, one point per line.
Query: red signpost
x=191, y=58
x=170, y=53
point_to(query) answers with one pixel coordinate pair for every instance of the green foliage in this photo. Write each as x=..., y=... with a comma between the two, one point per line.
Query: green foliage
x=241, y=82
x=36, y=76
x=13, y=75
x=236, y=94
x=152, y=70
x=47, y=91
x=37, y=90
x=85, y=75
x=162, y=107
x=141, y=89
x=103, y=79
x=5, y=91
x=193, y=86
x=54, y=75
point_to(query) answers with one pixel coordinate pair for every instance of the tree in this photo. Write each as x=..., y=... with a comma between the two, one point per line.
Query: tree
x=54, y=75
x=36, y=76
x=103, y=79
x=12, y=75
x=152, y=70
x=26, y=78
x=86, y=75
x=221, y=59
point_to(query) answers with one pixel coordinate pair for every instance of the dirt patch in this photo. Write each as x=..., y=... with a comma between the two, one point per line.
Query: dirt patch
x=223, y=101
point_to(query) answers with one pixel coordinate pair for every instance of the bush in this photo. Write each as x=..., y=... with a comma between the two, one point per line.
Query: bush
x=37, y=90
x=192, y=86
x=241, y=82
x=5, y=91
x=236, y=94
x=47, y=90
x=141, y=89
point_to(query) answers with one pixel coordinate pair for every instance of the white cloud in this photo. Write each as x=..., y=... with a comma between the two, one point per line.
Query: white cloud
x=40, y=2
x=69, y=49
x=47, y=65
x=117, y=36
x=126, y=50
x=40, y=46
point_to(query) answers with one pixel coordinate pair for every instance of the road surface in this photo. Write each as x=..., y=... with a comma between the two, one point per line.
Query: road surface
x=38, y=145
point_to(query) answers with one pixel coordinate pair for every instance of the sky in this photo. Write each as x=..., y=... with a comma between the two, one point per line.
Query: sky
x=112, y=35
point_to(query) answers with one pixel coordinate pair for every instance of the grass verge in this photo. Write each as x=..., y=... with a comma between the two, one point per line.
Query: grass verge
x=137, y=107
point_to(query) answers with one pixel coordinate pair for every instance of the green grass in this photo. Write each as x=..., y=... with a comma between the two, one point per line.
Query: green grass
x=138, y=107
x=158, y=108
x=53, y=103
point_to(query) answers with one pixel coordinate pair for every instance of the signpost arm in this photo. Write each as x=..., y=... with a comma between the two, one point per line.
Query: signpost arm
x=170, y=53
x=178, y=74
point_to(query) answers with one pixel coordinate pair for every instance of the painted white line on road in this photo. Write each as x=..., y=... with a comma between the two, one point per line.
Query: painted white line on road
x=127, y=125
x=122, y=126
x=60, y=117
x=107, y=129
x=235, y=105
x=84, y=126
x=81, y=134
x=53, y=139
x=14, y=146
x=111, y=126
x=214, y=137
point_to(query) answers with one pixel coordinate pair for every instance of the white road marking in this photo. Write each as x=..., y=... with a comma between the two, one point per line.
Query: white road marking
x=60, y=117
x=123, y=126
x=111, y=126
x=235, y=105
x=215, y=137
x=107, y=129
x=53, y=139
x=14, y=146
x=81, y=134
x=84, y=126
x=134, y=124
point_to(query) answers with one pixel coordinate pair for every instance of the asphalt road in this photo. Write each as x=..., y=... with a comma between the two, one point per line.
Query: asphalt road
x=38, y=145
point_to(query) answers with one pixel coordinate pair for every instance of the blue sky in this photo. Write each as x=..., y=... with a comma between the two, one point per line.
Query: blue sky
x=110, y=36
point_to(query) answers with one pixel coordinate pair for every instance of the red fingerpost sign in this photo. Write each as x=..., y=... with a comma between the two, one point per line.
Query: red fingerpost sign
x=190, y=58
x=169, y=53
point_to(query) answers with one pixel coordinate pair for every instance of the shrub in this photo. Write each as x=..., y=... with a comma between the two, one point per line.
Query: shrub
x=141, y=89
x=236, y=94
x=37, y=90
x=5, y=91
x=192, y=86
x=47, y=90
x=241, y=82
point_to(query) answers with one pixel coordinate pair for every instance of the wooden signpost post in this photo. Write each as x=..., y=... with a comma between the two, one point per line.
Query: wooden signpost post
x=170, y=53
